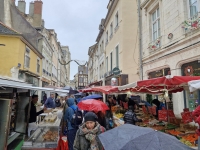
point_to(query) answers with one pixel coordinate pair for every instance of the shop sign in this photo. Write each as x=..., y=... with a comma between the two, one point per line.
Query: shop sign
x=114, y=82
x=116, y=71
x=191, y=69
x=159, y=73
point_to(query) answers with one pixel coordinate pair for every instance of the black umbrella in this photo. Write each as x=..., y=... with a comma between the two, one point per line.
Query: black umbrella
x=68, y=88
x=71, y=90
x=130, y=137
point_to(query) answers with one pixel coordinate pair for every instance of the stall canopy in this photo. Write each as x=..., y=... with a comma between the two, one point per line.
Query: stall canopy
x=172, y=83
x=103, y=89
x=86, y=90
x=194, y=85
x=23, y=85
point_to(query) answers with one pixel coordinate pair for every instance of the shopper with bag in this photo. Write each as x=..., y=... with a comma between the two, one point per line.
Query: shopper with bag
x=73, y=118
x=86, y=136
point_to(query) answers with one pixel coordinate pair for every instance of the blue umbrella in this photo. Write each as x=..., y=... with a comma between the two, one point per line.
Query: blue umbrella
x=94, y=96
x=79, y=94
x=130, y=137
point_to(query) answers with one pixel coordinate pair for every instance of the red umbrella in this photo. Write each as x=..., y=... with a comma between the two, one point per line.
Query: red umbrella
x=92, y=105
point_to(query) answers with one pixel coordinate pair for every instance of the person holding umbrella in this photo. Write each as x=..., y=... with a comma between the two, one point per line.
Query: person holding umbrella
x=86, y=136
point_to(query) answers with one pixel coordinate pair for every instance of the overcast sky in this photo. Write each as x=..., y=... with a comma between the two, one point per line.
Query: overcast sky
x=76, y=23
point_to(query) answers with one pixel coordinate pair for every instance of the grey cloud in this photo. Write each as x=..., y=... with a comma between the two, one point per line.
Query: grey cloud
x=76, y=23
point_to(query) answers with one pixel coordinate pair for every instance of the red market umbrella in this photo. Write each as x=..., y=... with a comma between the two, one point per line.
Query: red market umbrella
x=168, y=81
x=92, y=105
x=105, y=89
x=86, y=90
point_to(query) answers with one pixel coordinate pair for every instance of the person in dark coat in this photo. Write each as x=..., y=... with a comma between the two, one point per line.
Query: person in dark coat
x=158, y=105
x=44, y=98
x=130, y=116
x=33, y=113
x=109, y=120
x=101, y=119
x=86, y=136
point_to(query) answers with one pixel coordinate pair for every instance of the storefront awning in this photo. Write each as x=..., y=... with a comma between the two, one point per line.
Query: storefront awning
x=157, y=85
x=23, y=85
x=194, y=85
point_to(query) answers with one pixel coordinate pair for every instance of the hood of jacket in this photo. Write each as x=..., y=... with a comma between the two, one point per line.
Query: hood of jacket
x=70, y=101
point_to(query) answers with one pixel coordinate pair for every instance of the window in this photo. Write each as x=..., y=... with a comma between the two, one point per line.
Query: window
x=100, y=72
x=192, y=100
x=107, y=37
x=38, y=65
x=27, y=58
x=156, y=25
x=106, y=64
x=117, y=55
x=117, y=19
x=111, y=29
x=111, y=61
x=102, y=46
x=47, y=66
x=193, y=4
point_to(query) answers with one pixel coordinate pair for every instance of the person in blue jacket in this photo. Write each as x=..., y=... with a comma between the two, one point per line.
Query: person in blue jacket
x=50, y=102
x=69, y=112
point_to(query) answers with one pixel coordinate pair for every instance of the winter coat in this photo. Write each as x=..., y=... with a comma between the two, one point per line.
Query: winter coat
x=50, y=103
x=130, y=118
x=69, y=112
x=81, y=143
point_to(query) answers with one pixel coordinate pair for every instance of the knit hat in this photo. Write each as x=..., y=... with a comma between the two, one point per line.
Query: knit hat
x=90, y=116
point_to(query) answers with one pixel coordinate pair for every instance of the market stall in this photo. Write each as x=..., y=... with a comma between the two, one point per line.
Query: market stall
x=14, y=97
x=166, y=121
x=47, y=133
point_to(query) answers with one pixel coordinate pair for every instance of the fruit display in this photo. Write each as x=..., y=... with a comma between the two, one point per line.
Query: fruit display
x=186, y=142
x=119, y=115
x=189, y=138
x=159, y=128
x=50, y=136
x=173, y=132
x=114, y=108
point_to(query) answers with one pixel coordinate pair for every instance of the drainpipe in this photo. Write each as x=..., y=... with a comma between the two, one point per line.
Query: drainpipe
x=140, y=39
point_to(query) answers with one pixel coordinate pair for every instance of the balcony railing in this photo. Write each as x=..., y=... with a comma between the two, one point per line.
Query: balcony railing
x=191, y=24
x=155, y=44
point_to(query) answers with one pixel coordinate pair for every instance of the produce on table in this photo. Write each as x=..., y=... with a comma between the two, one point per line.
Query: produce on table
x=159, y=128
x=173, y=132
x=190, y=137
x=50, y=136
x=186, y=142
x=119, y=115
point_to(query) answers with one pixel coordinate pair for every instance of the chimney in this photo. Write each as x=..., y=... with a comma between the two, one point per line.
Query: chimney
x=31, y=9
x=37, y=16
x=22, y=6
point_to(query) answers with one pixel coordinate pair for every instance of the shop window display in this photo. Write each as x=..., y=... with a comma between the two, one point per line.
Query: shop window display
x=192, y=99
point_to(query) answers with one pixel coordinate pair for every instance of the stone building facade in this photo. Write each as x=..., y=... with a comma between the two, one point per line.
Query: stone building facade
x=170, y=43
x=118, y=43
